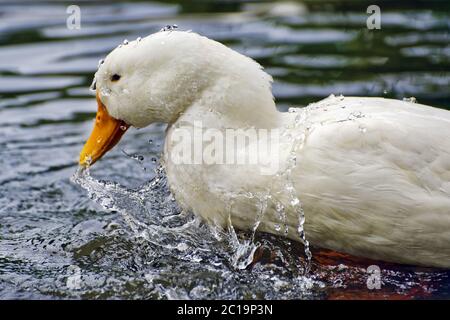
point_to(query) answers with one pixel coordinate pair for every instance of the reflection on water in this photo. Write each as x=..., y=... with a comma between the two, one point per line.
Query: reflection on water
x=133, y=241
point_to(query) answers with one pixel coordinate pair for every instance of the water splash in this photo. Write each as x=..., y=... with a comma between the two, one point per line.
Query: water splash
x=298, y=138
x=297, y=207
x=152, y=213
x=110, y=195
x=282, y=217
x=244, y=249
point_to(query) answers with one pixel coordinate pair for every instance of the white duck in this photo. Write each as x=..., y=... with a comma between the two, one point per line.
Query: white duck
x=371, y=174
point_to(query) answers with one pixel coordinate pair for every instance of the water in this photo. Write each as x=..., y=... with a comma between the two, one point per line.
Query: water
x=115, y=232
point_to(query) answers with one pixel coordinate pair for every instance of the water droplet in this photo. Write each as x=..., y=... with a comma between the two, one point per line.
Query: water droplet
x=290, y=188
x=88, y=160
x=150, y=141
x=123, y=128
x=385, y=92
x=295, y=202
x=93, y=86
x=125, y=42
x=134, y=156
x=279, y=207
x=105, y=92
x=277, y=227
x=169, y=27
x=182, y=246
x=355, y=115
x=154, y=160
x=410, y=99
x=99, y=140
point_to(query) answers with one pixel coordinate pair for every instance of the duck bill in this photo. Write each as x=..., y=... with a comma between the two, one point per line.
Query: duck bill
x=105, y=135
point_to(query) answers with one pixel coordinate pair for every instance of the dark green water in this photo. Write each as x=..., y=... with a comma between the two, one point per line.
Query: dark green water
x=55, y=242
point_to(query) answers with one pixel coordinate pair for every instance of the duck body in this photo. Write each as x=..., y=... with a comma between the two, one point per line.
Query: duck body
x=365, y=176
x=372, y=176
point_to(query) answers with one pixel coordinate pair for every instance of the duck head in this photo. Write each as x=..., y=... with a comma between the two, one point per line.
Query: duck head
x=155, y=79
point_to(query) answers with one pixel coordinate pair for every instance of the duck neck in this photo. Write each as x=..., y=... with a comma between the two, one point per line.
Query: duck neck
x=238, y=94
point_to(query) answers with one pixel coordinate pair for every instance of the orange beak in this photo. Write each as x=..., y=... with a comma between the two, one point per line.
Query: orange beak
x=105, y=135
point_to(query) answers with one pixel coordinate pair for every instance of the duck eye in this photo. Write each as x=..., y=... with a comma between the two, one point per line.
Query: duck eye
x=115, y=77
